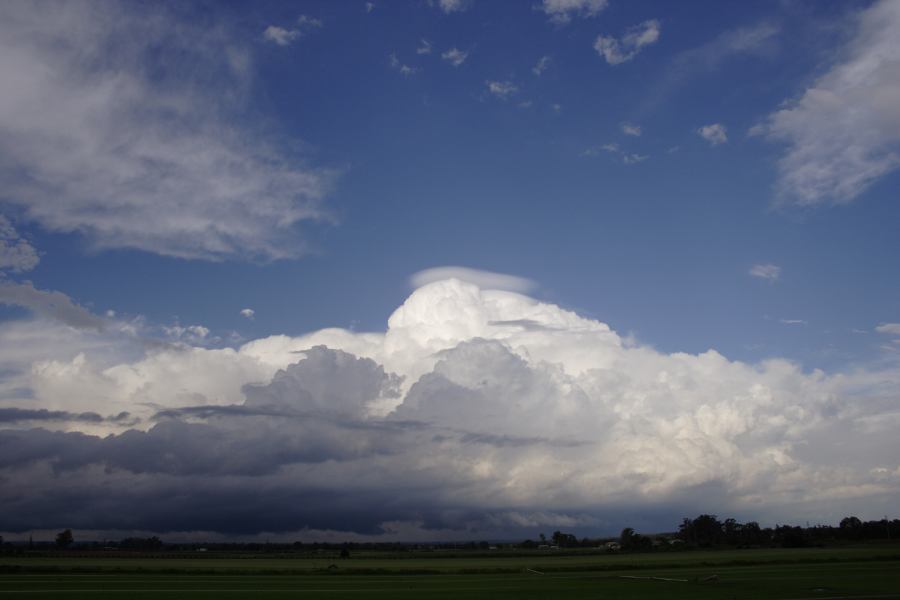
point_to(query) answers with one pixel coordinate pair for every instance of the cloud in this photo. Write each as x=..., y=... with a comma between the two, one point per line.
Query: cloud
x=766, y=271
x=424, y=47
x=541, y=65
x=483, y=279
x=841, y=134
x=501, y=89
x=54, y=305
x=561, y=12
x=17, y=415
x=629, y=129
x=631, y=159
x=714, y=134
x=370, y=6
x=404, y=70
x=191, y=334
x=889, y=328
x=286, y=37
x=248, y=313
x=451, y=6
x=455, y=56
x=793, y=322
x=628, y=158
x=476, y=412
x=16, y=254
x=164, y=161
x=281, y=36
x=618, y=51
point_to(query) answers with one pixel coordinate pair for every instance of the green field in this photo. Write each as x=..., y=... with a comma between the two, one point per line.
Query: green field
x=806, y=573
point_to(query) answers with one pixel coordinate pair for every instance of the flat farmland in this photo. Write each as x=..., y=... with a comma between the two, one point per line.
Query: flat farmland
x=807, y=573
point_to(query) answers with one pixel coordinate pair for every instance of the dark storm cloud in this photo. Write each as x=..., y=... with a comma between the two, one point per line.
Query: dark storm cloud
x=235, y=469
x=13, y=415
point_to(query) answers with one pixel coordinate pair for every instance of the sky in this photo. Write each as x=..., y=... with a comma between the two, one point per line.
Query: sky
x=446, y=269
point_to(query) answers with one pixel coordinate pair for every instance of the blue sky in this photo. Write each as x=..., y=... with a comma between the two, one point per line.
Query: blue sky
x=698, y=176
x=431, y=169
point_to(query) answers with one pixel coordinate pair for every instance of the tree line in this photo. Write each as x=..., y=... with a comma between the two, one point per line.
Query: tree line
x=703, y=531
x=707, y=531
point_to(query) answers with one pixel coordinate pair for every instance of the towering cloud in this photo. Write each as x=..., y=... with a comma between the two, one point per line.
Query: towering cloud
x=476, y=412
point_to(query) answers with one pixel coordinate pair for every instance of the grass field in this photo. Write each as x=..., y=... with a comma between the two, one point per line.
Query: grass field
x=808, y=573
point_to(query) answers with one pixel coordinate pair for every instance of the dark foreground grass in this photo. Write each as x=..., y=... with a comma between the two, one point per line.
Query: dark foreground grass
x=848, y=573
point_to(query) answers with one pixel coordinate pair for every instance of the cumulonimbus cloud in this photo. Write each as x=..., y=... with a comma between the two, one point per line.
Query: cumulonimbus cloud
x=477, y=410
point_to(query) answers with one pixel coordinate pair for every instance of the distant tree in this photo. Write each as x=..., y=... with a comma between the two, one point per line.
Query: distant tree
x=732, y=530
x=564, y=540
x=686, y=531
x=790, y=537
x=64, y=539
x=345, y=552
x=625, y=538
x=543, y=538
x=707, y=530
x=851, y=523
x=133, y=543
x=751, y=534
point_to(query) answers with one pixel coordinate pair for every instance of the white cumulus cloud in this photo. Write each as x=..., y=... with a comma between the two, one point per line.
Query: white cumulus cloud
x=248, y=313
x=768, y=272
x=280, y=35
x=285, y=37
x=630, y=129
x=715, y=134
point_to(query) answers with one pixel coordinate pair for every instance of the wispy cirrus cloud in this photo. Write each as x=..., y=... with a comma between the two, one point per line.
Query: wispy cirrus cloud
x=404, y=69
x=158, y=166
x=541, y=65
x=620, y=50
x=501, y=89
x=888, y=328
x=842, y=134
x=562, y=12
x=455, y=56
x=451, y=6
